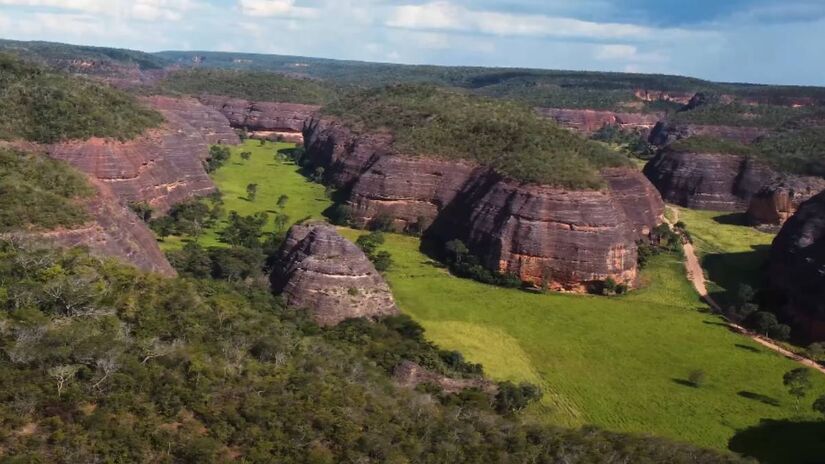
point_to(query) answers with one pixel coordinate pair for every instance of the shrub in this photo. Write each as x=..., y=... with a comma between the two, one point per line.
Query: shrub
x=697, y=378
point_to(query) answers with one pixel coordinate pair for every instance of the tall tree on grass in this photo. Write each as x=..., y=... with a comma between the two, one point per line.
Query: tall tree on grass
x=251, y=192
x=798, y=383
x=282, y=200
x=245, y=155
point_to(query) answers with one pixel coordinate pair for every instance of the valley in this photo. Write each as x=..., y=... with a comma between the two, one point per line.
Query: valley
x=620, y=362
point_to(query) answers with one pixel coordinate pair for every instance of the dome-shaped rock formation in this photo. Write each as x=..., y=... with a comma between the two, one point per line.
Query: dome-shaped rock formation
x=567, y=239
x=776, y=202
x=321, y=271
x=797, y=268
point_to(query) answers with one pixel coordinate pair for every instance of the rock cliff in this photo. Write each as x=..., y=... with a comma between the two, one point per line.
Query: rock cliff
x=114, y=231
x=776, y=202
x=569, y=240
x=161, y=167
x=712, y=181
x=589, y=121
x=665, y=132
x=323, y=272
x=263, y=119
x=797, y=268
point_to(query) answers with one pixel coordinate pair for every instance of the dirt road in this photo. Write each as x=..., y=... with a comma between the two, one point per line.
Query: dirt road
x=696, y=275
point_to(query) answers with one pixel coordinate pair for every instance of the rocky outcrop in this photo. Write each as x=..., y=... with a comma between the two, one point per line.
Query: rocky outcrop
x=269, y=120
x=568, y=240
x=410, y=375
x=797, y=269
x=163, y=166
x=663, y=95
x=776, y=202
x=666, y=132
x=114, y=231
x=210, y=123
x=588, y=122
x=711, y=181
x=332, y=278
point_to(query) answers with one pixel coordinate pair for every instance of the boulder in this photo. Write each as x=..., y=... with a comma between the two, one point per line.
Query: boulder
x=711, y=181
x=569, y=240
x=774, y=203
x=323, y=272
x=797, y=269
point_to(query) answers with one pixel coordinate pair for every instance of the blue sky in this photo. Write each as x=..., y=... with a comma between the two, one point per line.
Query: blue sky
x=728, y=40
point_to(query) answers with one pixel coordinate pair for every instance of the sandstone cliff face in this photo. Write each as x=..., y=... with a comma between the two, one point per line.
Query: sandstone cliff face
x=588, y=122
x=163, y=166
x=797, y=268
x=664, y=133
x=664, y=95
x=776, y=202
x=115, y=231
x=323, y=272
x=709, y=181
x=210, y=123
x=264, y=119
x=569, y=240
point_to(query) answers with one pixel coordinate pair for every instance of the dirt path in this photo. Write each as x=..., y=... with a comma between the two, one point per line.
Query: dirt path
x=696, y=275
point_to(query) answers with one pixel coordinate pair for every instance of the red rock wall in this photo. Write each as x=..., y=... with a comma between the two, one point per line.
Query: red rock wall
x=665, y=133
x=262, y=116
x=570, y=239
x=589, y=121
x=162, y=167
x=777, y=202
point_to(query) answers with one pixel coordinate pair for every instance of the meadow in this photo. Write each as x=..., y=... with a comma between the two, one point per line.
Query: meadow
x=274, y=176
x=621, y=363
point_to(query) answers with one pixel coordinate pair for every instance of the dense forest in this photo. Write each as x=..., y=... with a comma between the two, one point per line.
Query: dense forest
x=506, y=136
x=261, y=86
x=102, y=363
x=39, y=193
x=62, y=55
x=46, y=106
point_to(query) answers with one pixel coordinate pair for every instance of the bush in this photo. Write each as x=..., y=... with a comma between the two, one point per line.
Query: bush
x=697, y=378
x=512, y=398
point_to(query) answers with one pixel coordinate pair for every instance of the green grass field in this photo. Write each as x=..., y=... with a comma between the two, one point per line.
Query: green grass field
x=731, y=252
x=274, y=178
x=619, y=363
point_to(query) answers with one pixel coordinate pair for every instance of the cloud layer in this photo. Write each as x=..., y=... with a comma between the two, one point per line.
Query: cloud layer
x=737, y=40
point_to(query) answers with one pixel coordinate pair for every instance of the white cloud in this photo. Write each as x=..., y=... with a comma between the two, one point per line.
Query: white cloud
x=443, y=15
x=282, y=8
x=144, y=10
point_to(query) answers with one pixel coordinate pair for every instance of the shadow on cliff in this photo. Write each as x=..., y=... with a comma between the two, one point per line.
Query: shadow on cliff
x=782, y=442
x=729, y=270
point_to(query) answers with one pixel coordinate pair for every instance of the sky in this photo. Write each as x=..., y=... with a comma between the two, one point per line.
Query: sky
x=776, y=42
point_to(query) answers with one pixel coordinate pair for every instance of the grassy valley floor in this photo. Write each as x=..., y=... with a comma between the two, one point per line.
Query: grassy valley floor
x=620, y=363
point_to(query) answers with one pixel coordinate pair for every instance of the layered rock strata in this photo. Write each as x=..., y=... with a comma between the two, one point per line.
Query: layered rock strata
x=114, y=231
x=332, y=278
x=664, y=133
x=567, y=240
x=797, y=269
x=588, y=122
x=269, y=120
x=712, y=181
x=162, y=167
x=776, y=202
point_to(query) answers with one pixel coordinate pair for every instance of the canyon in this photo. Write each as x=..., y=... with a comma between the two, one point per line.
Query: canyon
x=266, y=120
x=565, y=239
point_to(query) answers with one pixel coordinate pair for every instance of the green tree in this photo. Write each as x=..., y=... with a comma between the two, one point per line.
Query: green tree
x=764, y=322
x=245, y=155
x=697, y=378
x=798, y=383
x=819, y=405
x=281, y=221
x=382, y=261
x=251, y=192
x=142, y=210
x=282, y=201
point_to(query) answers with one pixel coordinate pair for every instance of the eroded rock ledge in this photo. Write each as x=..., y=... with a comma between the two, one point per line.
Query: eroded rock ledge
x=568, y=240
x=325, y=273
x=268, y=120
x=588, y=122
x=797, y=268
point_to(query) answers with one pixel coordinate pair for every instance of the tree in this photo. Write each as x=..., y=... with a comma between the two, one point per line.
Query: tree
x=281, y=221
x=245, y=155
x=798, y=383
x=318, y=175
x=282, y=200
x=142, y=209
x=62, y=375
x=163, y=227
x=819, y=405
x=341, y=215
x=251, y=192
x=456, y=250
x=697, y=378
x=382, y=261
x=780, y=332
x=218, y=156
x=609, y=286
x=370, y=242
x=764, y=321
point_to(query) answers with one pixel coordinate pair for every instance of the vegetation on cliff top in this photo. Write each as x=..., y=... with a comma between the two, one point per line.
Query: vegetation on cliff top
x=740, y=114
x=45, y=106
x=261, y=86
x=505, y=136
x=39, y=193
